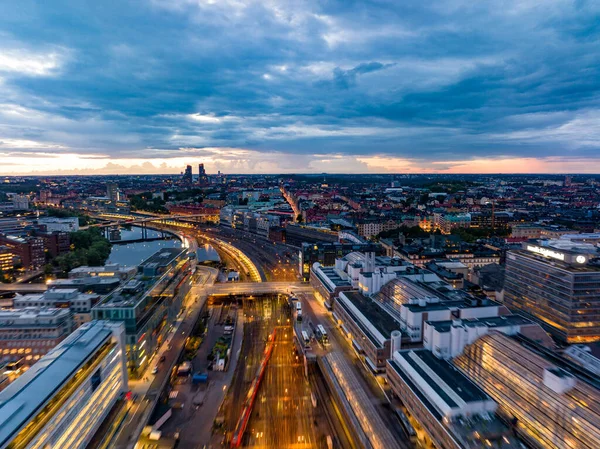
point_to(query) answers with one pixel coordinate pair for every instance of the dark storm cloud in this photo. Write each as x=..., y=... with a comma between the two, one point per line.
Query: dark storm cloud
x=450, y=81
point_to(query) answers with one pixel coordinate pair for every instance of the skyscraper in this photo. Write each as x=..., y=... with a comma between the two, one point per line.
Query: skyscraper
x=187, y=176
x=112, y=191
x=556, y=282
x=201, y=174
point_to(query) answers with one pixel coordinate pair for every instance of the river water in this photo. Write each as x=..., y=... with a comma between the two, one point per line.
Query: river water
x=133, y=254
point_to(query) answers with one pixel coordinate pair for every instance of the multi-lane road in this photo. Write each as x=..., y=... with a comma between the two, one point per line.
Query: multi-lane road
x=147, y=390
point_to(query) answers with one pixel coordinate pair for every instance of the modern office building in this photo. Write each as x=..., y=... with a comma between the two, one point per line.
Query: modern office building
x=112, y=191
x=91, y=284
x=187, y=175
x=557, y=282
x=61, y=401
x=550, y=404
x=148, y=303
x=202, y=177
x=30, y=333
x=109, y=270
x=452, y=410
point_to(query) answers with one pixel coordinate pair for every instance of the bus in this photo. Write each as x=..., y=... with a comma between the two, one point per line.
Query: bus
x=306, y=338
x=322, y=334
x=298, y=311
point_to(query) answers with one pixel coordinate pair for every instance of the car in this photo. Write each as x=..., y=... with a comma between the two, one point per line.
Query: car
x=162, y=358
x=155, y=370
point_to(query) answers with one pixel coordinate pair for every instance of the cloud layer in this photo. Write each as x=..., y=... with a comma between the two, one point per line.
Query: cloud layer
x=281, y=86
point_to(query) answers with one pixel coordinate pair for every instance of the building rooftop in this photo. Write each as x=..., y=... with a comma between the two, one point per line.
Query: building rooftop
x=383, y=322
x=21, y=400
x=449, y=384
x=30, y=314
x=491, y=322
x=162, y=258
x=333, y=276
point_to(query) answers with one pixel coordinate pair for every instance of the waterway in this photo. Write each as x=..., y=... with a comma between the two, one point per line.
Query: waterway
x=206, y=253
x=133, y=254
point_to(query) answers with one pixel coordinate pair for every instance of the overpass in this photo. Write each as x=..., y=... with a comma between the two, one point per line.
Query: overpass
x=125, y=219
x=257, y=288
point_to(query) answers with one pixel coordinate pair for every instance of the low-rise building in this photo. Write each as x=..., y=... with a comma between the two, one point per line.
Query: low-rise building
x=91, y=284
x=30, y=333
x=54, y=224
x=451, y=271
x=447, y=339
x=108, y=270
x=61, y=401
x=328, y=282
x=413, y=302
x=80, y=304
x=367, y=326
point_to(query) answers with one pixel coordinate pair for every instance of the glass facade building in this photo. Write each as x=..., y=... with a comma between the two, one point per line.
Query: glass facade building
x=147, y=305
x=559, y=288
x=62, y=400
x=549, y=407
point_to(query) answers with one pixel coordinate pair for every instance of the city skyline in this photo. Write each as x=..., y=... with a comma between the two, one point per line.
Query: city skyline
x=279, y=87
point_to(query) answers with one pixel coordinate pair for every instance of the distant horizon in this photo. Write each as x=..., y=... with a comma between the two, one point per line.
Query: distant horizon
x=314, y=174
x=280, y=87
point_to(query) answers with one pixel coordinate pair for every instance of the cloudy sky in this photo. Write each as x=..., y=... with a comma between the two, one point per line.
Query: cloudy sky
x=272, y=86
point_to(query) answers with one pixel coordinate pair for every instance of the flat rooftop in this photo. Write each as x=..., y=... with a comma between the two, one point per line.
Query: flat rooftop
x=162, y=258
x=26, y=396
x=439, y=375
x=492, y=322
x=30, y=313
x=333, y=276
x=377, y=317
